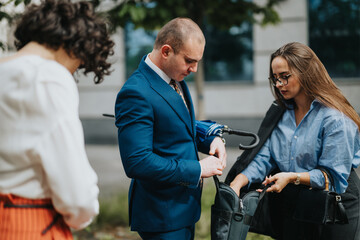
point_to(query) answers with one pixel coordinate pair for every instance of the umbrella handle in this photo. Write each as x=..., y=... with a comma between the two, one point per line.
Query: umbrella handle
x=246, y=134
x=229, y=131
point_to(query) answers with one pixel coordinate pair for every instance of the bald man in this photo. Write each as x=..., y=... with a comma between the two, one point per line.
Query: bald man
x=157, y=137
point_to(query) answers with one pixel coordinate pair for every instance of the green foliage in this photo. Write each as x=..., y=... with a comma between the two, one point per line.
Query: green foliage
x=8, y=17
x=202, y=228
x=221, y=14
x=4, y=15
x=113, y=212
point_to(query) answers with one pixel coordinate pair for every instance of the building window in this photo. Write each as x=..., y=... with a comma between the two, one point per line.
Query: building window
x=334, y=35
x=227, y=56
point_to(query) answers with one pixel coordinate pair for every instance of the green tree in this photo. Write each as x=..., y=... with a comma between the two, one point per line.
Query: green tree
x=6, y=16
x=221, y=14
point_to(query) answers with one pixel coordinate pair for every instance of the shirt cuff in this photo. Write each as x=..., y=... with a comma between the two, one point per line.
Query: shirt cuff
x=317, y=179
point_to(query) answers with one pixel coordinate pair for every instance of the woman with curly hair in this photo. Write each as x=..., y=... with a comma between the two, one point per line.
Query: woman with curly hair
x=47, y=185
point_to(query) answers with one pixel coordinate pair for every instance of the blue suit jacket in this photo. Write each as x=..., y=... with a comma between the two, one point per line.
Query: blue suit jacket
x=158, y=146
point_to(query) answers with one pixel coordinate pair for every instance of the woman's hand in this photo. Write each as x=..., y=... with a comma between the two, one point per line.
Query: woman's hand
x=280, y=181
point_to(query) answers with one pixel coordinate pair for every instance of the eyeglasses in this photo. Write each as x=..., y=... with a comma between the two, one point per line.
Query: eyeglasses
x=283, y=80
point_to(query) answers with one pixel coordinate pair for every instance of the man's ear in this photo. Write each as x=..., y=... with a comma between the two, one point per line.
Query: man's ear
x=166, y=50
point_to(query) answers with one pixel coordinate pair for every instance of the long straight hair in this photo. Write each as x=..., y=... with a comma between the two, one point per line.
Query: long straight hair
x=313, y=78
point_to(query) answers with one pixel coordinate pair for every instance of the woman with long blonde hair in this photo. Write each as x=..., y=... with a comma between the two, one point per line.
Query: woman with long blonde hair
x=318, y=129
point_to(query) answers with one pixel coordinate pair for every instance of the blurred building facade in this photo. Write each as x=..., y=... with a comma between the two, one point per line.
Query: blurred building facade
x=239, y=104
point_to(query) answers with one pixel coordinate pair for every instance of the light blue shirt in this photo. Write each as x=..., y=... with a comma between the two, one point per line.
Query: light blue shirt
x=325, y=137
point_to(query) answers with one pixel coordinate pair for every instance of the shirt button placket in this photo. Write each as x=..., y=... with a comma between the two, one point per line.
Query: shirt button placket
x=293, y=145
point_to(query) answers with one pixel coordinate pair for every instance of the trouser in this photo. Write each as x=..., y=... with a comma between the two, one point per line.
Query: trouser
x=181, y=234
x=30, y=219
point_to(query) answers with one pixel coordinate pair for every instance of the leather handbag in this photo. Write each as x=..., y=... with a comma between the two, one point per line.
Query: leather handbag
x=320, y=206
x=302, y=204
x=231, y=216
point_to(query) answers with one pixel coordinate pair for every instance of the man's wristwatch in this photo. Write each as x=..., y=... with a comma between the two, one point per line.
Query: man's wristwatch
x=297, y=181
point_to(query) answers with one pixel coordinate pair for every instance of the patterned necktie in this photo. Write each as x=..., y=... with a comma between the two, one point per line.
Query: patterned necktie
x=174, y=85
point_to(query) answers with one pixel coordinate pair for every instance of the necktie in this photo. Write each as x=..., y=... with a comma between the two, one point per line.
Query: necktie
x=174, y=85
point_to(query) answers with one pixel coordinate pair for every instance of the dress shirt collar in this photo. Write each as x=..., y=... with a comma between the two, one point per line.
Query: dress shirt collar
x=157, y=69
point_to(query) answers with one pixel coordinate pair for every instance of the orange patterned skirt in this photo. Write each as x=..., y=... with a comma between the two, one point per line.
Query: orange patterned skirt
x=30, y=219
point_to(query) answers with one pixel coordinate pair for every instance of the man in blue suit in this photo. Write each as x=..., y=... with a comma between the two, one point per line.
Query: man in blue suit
x=157, y=137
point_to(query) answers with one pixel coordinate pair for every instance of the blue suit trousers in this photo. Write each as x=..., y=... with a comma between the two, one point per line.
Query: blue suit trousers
x=181, y=234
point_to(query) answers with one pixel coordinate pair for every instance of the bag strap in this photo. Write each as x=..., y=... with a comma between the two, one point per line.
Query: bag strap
x=217, y=185
x=216, y=180
x=263, y=192
x=341, y=209
x=328, y=178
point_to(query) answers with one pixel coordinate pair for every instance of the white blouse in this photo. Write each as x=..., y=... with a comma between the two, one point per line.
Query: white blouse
x=42, y=151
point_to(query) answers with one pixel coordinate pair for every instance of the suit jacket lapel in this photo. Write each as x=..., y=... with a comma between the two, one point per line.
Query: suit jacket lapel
x=168, y=94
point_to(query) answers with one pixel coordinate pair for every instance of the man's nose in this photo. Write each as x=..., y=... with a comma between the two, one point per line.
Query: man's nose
x=193, y=68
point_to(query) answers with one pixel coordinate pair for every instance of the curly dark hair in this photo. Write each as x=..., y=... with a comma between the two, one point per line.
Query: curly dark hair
x=73, y=26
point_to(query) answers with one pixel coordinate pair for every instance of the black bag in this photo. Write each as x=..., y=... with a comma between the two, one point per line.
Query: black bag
x=300, y=203
x=264, y=221
x=266, y=216
x=230, y=215
x=320, y=206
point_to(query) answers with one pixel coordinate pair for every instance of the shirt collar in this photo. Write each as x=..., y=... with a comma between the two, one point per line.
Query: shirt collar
x=314, y=103
x=157, y=69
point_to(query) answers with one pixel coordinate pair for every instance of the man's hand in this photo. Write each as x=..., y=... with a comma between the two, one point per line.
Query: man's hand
x=210, y=166
x=217, y=148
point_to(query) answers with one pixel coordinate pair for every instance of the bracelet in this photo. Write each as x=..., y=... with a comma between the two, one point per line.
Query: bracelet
x=297, y=181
